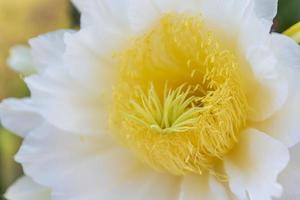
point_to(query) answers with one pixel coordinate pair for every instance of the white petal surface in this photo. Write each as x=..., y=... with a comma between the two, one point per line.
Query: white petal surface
x=286, y=50
x=76, y=96
x=66, y=103
x=90, y=167
x=284, y=125
x=142, y=15
x=26, y=189
x=20, y=60
x=268, y=87
x=290, y=177
x=205, y=187
x=73, y=92
x=47, y=50
x=111, y=13
x=18, y=116
x=254, y=165
x=266, y=97
x=266, y=9
x=77, y=3
x=89, y=57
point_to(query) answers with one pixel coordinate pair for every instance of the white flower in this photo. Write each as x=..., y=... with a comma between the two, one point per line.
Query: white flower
x=164, y=100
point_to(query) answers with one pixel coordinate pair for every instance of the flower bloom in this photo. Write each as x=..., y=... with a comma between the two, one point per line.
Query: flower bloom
x=165, y=100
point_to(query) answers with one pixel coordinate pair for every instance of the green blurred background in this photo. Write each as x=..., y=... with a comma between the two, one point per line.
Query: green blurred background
x=23, y=19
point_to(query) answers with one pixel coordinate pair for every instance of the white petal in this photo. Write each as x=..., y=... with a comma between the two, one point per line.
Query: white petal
x=151, y=185
x=102, y=13
x=26, y=189
x=65, y=102
x=284, y=125
x=47, y=50
x=290, y=177
x=142, y=15
x=93, y=48
x=188, y=6
x=268, y=89
x=204, y=187
x=254, y=165
x=60, y=98
x=266, y=96
x=83, y=90
x=20, y=60
x=78, y=4
x=286, y=50
x=19, y=116
x=226, y=16
x=166, y=5
x=90, y=167
x=266, y=9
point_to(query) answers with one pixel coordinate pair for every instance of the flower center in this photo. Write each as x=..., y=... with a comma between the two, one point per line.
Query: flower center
x=179, y=104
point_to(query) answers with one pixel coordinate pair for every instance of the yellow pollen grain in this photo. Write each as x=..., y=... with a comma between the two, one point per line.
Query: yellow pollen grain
x=179, y=104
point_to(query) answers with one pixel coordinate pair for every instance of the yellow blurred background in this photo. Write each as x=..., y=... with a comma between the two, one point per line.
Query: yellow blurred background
x=24, y=19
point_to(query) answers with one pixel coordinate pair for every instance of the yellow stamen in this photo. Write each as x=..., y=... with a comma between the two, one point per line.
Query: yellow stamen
x=294, y=32
x=179, y=104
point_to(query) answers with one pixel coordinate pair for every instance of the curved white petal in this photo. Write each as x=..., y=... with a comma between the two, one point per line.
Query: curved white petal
x=78, y=4
x=137, y=185
x=89, y=57
x=103, y=13
x=47, y=50
x=286, y=50
x=65, y=102
x=290, y=177
x=284, y=124
x=76, y=97
x=142, y=15
x=266, y=9
x=254, y=165
x=268, y=87
x=204, y=187
x=90, y=167
x=26, y=189
x=20, y=60
x=18, y=116
x=266, y=97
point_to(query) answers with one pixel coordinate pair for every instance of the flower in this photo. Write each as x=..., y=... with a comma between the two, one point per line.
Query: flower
x=180, y=99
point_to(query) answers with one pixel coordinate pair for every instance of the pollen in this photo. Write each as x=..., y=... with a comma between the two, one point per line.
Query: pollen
x=179, y=104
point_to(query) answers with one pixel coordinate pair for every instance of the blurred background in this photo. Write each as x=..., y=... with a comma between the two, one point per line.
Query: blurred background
x=21, y=20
